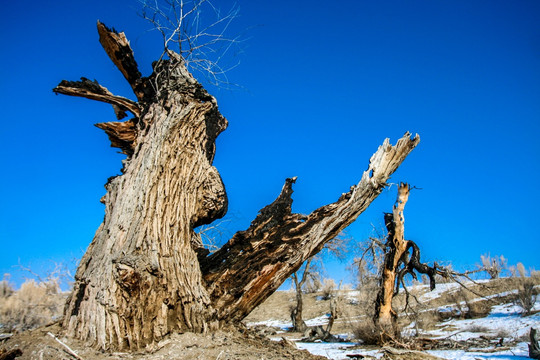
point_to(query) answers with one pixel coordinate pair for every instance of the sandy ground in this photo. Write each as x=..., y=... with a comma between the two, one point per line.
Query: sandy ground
x=222, y=345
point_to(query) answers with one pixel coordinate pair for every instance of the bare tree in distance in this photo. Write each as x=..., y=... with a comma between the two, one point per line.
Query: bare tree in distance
x=298, y=324
x=310, y=274
x=368, y=265
x=198, y=31
x=146, y=274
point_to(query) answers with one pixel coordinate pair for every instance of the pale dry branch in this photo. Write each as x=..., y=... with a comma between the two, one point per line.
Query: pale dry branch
x=69, y=350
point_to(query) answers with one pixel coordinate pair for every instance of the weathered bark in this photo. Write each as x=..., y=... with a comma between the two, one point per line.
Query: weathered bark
x=534, y=349
x=146, y=274
x=140, y=278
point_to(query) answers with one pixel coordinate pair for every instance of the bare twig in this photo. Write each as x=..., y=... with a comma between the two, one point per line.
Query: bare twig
x=197, y=31
x=212, y=235
x=69, y=350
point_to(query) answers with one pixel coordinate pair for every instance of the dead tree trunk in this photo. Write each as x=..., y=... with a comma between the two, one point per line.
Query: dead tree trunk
x=396, y=245
x=146, y=274
x=401, y=257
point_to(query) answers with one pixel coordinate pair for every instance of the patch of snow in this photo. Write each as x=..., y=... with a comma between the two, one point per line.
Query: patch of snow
x=443, y=288
x=335, y=351
x=520, y=352
x=321, y=320
x=439, y=289
x=504, y=319
x=283, y=325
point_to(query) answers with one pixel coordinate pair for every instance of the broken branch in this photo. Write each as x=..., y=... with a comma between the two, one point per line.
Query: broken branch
x=117, y=47
x=94, y=91
x=279, y=241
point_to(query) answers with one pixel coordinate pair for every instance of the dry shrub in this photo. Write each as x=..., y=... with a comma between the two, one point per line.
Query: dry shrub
x=6, y=289
x=365, y=300
x=312, y=284
x=494, y=266
x=522, y=288
x=526, y=296
x=366, y=332
x=518, y=270
x=474, y=328
x=33, y=305
x=419, y=318
x=503, y=333
x=478, y=309
x=328, y=289
x=469, y=305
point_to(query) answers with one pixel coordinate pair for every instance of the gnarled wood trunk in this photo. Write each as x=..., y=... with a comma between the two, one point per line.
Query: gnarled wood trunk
x=145, y=274
x=396, y=245
x=401, y=257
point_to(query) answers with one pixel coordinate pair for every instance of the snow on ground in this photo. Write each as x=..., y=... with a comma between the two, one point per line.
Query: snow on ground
x=435, y=293
x=285, y=325
x=321, y=320
x=519, y=352
x=442, y=288
x=337, y=351
x=504, y=320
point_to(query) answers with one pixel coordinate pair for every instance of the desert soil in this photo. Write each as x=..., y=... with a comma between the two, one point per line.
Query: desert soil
x=226, y=344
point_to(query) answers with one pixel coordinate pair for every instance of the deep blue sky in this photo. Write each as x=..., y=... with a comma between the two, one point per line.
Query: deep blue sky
x=322, y=85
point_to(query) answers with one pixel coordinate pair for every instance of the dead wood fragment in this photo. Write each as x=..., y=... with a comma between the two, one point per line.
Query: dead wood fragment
x=534, y=349
x=399, y=354
x=94, y=91
x=10, y=354
x=121, y=134
x=117, y=47
x=67, y=348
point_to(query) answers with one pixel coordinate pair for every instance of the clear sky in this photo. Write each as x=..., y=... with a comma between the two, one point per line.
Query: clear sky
x=322, y=84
